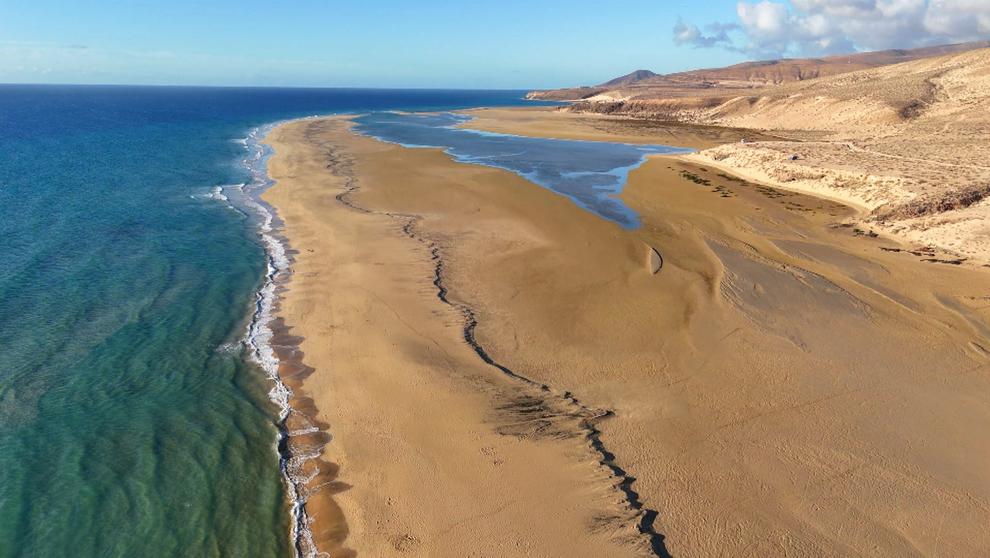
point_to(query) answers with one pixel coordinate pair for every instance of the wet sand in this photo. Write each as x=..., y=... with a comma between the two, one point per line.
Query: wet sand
x=785, y=383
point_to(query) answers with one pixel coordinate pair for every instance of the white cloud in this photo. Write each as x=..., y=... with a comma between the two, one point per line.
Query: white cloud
x=816, y=27
x=718, y=34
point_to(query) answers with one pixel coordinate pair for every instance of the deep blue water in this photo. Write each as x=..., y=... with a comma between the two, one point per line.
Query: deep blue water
x=131, y=422
x=592, y=174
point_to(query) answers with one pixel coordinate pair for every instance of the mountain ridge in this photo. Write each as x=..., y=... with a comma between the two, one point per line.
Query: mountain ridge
x=747, y=75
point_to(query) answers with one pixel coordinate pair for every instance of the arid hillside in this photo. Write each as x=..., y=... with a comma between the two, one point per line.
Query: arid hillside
x=908, y=143
x=882, y=99
x=645, y=85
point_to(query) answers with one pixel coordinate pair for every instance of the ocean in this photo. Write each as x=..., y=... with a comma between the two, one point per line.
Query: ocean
x=132, y=420
x=140, y=409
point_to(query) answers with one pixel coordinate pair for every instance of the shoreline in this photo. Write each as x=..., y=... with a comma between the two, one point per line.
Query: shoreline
x=275, y=352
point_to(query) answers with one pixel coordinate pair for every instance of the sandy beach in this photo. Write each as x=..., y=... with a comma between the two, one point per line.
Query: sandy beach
x=501, y=373
x=433, y=451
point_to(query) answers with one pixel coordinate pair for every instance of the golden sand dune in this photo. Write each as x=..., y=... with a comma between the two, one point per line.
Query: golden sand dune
x=907, y=143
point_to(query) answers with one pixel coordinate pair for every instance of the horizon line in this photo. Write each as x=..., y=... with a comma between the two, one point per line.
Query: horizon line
x=200, y=86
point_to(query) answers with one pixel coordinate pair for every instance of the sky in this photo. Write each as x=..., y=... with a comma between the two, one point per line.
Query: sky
x=507, y=44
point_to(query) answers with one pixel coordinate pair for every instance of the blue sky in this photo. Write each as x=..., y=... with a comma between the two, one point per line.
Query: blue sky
x=390, y=43
x=433, y=43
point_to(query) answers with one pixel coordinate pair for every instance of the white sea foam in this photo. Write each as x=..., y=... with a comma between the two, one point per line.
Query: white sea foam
x=304, y=431
x=217, y=194
x=228, y=348
x=259, y=335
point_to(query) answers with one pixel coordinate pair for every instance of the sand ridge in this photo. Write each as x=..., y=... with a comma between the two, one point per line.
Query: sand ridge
x=543, y=122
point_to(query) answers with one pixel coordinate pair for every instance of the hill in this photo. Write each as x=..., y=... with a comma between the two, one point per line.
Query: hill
x=747, y=75
x=904, y=135
x=630, y=78
x=908, y=142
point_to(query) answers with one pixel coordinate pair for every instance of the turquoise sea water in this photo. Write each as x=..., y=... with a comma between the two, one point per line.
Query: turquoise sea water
x=132, y=422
